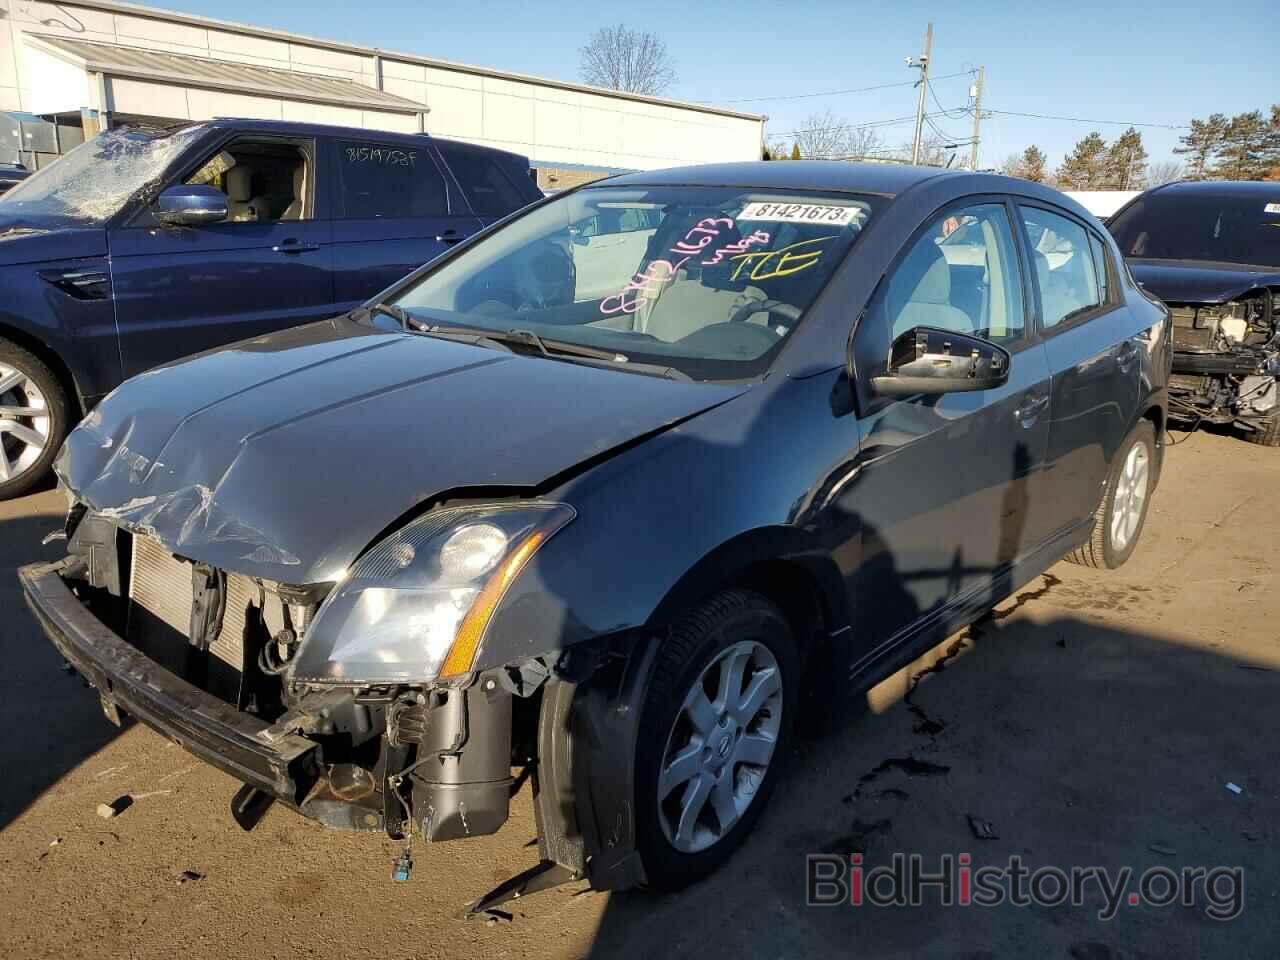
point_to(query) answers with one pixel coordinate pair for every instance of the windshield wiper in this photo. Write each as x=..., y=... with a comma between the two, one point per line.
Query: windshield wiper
x=552, y=349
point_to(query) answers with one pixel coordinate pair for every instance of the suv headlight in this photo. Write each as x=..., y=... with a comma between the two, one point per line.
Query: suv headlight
x=415, y=607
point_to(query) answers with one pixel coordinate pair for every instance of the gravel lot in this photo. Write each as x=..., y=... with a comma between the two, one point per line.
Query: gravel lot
x=1095, y=720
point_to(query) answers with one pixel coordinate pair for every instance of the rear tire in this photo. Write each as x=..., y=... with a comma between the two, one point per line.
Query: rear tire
x=1268, y=432
x=707, y=753
x=33, y=419
x=1123, y=512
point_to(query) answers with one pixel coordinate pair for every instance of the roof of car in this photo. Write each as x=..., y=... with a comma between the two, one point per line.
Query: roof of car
x=889, y=179
x=1238, y=188
x=354, y=133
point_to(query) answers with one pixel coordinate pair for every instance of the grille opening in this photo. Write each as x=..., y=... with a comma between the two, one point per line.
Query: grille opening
x=159, y=624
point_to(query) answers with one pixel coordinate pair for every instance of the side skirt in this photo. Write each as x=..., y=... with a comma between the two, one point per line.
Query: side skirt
x=929, y=631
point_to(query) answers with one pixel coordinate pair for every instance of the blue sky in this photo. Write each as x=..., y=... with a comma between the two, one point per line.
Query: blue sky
x=1160, y=64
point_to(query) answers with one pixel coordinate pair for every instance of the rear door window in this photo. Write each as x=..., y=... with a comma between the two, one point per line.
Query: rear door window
x=1062, y=257
x=488, y=187
x=381, y=180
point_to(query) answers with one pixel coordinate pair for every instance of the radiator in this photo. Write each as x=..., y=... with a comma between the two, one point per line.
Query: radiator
x=160, y=583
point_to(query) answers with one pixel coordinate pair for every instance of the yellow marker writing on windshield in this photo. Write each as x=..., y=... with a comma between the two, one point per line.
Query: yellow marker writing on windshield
x=766, y=265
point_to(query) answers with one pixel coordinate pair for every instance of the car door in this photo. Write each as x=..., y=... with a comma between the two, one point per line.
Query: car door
x=181, y=290
x=1091, y=342
x=393, y=212
x=946, y=483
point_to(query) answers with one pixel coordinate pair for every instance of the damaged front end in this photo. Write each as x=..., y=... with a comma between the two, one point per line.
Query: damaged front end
x=1226, y=363
x=354, y=703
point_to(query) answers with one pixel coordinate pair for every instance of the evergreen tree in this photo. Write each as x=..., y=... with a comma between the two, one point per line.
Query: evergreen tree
x=1201, y=144
x=795, y=151
x=1249, y=147
x=1084, y=167
x=1029, y=165
x=1125, y=167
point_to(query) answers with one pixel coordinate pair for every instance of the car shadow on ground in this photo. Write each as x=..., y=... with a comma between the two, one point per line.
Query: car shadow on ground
x=49, y=722
x=1076, y=744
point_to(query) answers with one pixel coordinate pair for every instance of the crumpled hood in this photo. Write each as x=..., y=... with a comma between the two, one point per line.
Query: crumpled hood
x=32, y=241
x=284, y=457
x=1200, y=282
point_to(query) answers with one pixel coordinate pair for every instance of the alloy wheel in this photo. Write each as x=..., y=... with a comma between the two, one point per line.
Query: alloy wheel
x=24, y=423
x=1130, y=496
x=720, y=746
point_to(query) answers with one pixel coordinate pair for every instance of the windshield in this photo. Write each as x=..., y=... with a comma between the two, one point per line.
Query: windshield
x=1176, y=226
x=96, y=179
x=707, y=280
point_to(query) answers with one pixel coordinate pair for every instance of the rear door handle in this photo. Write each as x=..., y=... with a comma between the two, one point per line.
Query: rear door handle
x=294, y=246
x=1126, y=353
x=1030, y=408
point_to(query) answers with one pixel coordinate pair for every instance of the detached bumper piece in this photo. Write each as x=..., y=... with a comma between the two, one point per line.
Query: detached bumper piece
x=285, y=767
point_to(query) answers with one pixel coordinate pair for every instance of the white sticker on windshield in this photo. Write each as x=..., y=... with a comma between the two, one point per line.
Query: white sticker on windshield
x=826, y=214
x=1272, y=208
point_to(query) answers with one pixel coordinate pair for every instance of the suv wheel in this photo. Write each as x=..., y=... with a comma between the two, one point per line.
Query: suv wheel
x=1118, y=523
x=33, y=420
x=714, y=728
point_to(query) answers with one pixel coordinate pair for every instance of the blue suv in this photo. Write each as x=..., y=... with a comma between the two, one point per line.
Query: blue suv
x=143, y=246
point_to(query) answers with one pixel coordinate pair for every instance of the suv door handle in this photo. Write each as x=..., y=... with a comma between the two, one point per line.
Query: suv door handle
x=1126, y=353
x=449, y=237
x=1030, y=408
x=293, y=245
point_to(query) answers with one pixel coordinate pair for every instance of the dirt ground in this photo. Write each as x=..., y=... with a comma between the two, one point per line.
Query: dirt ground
x=1095, y=720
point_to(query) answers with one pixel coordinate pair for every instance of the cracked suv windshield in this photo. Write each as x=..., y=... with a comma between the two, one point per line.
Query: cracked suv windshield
x=709, y=281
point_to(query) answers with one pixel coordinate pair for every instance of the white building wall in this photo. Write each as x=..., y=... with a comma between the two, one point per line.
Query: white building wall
x=548, y=123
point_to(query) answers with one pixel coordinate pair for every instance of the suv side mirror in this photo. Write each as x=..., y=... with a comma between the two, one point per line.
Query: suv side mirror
x=191, y=205
x=926, y=360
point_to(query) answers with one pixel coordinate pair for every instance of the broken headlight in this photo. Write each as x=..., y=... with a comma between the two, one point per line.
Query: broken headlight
x=415, y=607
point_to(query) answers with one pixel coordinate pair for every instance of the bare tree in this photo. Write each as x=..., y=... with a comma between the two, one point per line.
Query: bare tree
x=623, y=59
x=1165, y=171
x=824, y=136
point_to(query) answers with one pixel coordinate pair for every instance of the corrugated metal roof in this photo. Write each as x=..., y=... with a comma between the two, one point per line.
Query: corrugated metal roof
x=172, y=16
x=136, y=63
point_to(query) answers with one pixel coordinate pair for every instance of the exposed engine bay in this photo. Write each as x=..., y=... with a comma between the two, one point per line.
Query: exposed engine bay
x=1226, y=363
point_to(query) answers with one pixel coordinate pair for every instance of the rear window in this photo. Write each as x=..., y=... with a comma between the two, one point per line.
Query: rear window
x=1177, y=225
x=387, y=180
x=491, y=189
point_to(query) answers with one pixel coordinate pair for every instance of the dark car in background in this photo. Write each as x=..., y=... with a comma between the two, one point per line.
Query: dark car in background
x=611, y=518
x=11, y=175
x=140, y=247
x=1211, y=251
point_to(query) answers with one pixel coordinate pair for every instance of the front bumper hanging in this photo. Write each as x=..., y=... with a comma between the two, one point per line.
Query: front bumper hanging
x=286, y=767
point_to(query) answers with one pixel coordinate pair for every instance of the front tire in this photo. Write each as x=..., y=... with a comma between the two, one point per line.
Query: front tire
x=33, y=419
x=715, y=725
x=1123, y=512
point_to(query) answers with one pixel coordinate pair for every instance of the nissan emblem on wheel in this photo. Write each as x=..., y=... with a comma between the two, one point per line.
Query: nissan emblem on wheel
x=605, y=500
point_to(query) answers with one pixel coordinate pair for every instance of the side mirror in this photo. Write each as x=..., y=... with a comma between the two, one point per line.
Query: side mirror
x=926, y=360
x=191, y=205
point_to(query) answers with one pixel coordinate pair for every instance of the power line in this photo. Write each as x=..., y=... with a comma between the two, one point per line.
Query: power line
x=849, y=126
x=1113, y=123
x=836, y=93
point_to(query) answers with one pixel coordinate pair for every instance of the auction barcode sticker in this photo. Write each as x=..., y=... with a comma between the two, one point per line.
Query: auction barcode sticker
x=1272, y=208
x=827, y=214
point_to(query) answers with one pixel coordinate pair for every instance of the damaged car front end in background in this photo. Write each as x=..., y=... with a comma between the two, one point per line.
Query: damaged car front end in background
x=1211, y=252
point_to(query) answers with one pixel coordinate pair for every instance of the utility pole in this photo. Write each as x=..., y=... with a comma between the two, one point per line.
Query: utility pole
x=977, y=117
x=923, y=64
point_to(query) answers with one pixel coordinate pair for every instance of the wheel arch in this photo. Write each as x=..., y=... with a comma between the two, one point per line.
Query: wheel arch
x=50, y=358
x=777, y=562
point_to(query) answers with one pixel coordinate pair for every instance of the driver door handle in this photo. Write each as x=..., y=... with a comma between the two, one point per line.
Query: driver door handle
x=449, y=237
x=1030, y=408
